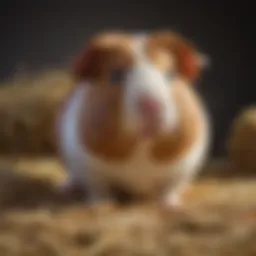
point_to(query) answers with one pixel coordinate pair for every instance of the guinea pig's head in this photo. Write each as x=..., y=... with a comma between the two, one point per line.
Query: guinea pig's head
x=137, y=74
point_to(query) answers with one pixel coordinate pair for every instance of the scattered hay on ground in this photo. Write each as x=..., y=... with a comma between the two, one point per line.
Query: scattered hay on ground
x=218, y=218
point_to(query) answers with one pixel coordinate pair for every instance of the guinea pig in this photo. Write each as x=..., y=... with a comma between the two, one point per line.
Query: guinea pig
x=133, y=118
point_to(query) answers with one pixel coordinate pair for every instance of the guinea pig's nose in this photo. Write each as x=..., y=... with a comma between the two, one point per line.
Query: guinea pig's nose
x=148, y=105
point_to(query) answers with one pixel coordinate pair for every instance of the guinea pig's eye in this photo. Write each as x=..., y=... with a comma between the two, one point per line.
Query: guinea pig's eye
x=118, y=75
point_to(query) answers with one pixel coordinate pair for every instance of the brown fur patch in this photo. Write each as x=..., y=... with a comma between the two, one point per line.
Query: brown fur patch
x=163, y=60
x=101, y=124
x=185, y=53
x=172, y=146
x=103, y=54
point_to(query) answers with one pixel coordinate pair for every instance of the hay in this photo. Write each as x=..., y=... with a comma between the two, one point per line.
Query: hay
x=242, y=141
x=218, y=218
x=135, y=231
x=27, y=109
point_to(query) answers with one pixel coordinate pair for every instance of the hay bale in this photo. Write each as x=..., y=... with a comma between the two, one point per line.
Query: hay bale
x=27, y=109
x=242, y=141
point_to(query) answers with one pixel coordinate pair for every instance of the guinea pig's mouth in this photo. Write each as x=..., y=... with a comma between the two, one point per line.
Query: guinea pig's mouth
x=150, y=126
x=150, y=116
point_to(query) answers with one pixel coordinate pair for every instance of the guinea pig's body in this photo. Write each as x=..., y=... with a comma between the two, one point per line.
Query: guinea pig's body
x=103, y=138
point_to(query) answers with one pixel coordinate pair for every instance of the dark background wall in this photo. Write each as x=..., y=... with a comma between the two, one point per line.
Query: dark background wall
x=40, y=34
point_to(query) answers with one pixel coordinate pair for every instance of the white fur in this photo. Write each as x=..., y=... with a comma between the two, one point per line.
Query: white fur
x=145, y=80
x=138, y=45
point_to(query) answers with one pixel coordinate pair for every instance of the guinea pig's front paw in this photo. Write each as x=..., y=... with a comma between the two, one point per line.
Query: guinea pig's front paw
x=172, y=200
x=70, y=189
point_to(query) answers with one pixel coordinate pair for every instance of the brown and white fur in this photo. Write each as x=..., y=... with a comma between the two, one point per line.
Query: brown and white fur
x=133, y=119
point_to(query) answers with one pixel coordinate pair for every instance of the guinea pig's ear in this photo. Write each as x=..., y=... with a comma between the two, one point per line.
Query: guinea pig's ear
x=189, y=60
x=89, y=63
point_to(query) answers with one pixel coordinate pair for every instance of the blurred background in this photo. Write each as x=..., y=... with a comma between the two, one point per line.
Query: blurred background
x=48, y=34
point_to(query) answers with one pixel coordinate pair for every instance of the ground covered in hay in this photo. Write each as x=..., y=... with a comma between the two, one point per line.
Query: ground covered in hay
x=219, y=218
